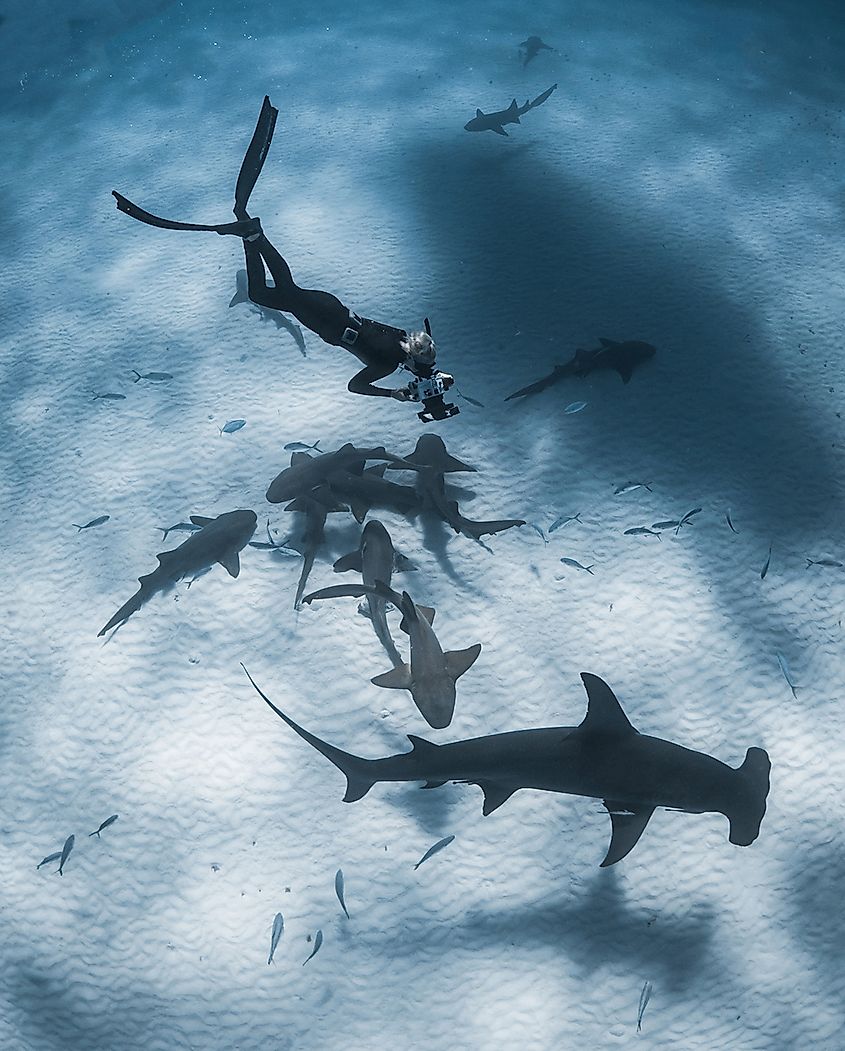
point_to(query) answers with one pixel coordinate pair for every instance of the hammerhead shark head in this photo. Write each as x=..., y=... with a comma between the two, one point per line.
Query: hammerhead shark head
x=433, y=461
x=532, y=47
x=279, y=319
x=430, y=678
x=494, y=121
x=376, y=558
x=218, y=540
x=308, y=472
x=621, y=357
x=604, y=758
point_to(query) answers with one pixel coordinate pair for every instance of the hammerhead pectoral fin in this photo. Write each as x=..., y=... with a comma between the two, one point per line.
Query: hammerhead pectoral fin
x=459, y=661
x=398, y=678
x=231, y=563
x=348, y=562
x=628, y=826
x=494, y=796
x=201, y=520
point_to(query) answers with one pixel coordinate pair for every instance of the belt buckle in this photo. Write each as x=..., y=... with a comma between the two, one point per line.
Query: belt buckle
x=350, y=335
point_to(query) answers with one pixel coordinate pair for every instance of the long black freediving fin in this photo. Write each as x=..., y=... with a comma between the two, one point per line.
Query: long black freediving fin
x=126, y=206
x=255, y=156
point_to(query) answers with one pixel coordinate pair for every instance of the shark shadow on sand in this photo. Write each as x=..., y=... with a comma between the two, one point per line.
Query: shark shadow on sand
x=620, y=357
x=604, y=758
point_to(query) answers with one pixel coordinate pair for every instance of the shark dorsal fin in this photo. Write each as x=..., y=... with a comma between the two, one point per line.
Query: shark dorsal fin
x=422, y=747
x=628, y=826
x=478, y=113
x=514, y=105
x=604, y=713
x=201, y=520
x=378, y=470
x=298, y=458
x=608, y=342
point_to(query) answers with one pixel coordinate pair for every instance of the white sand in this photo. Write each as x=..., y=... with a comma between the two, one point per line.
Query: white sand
x=683, y=186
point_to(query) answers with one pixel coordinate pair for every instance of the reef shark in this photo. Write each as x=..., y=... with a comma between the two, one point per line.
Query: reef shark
x=365, y=489
x=494, y=121
x=431, y=675
x=307, y=472
x=217, y=540
x=316, y=506
x=376, y=558
x=621, y=357
x=603, y=758
x=532, y=47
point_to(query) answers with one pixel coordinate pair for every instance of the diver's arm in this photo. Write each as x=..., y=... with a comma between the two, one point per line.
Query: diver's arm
x=362, y=383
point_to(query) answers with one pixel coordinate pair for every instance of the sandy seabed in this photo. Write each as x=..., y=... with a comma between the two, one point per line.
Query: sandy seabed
x=683, y=186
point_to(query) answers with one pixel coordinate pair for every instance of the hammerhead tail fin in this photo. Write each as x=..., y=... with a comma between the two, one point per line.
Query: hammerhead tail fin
x=358, y=779
x=746, y=817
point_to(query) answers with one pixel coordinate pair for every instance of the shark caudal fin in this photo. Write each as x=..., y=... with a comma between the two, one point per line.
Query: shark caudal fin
x=747, y=814
x=358, y=778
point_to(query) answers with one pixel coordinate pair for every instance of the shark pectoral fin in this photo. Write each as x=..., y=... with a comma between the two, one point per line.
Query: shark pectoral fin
x=364, y=610
x=628, y=826
x=625, y=370
x=201, y=520
x=428, y=613
x=501, y=131
x=359, y=509
x=347, y=562
x=231, y=563
x=398, y=678
x=403, y=564
x=494, y=795
x=459, y=661
x=433, y=784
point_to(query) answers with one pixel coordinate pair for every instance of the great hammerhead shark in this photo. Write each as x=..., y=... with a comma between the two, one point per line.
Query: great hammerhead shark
x=604, y=757
x=494, y=121
x=217, y=540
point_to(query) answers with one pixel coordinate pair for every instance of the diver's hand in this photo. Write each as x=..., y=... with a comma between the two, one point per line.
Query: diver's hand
x=401, y=394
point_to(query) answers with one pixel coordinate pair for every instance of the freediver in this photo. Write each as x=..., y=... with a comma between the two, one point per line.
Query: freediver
x=382, y=349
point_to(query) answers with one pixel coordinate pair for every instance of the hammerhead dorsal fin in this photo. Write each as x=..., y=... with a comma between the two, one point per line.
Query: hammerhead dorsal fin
x=231, y=563
x=628, y=826
x=478, y=113
x=398, y=678
x=604, y=713
x=201, y=520
x=347, y=562
x=494, y=795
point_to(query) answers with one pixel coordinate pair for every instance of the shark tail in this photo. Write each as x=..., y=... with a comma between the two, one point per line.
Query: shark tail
x=357, y=770
x=126, y=610
x=747, y=815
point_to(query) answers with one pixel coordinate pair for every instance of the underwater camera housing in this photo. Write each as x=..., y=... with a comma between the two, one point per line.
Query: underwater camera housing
x=430, y=390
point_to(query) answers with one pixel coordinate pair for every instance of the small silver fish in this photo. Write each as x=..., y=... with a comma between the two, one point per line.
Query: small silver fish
x=765, y=568
x=438, y=846
x=93, y=522
x=108, y=397
x=232, y=426
x=157, y=377
x=318, y=941
x=558, y=522
x=539, y=532
x=630, y=487
x=278, y=928
x=670, y=523
x=301, y=447
x=575, y=406
x=180, y=527
x=109, y=821
x=730, y=522
x=66, y=849
x=645, y=996
x=338, y=889
x=784, y=667
x=577, y=565
x=686, y=518
x=641, y=531
x=831, y=563
x=48, y=859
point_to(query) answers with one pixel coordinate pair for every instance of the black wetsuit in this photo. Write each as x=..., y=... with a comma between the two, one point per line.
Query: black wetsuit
x=378, y=346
